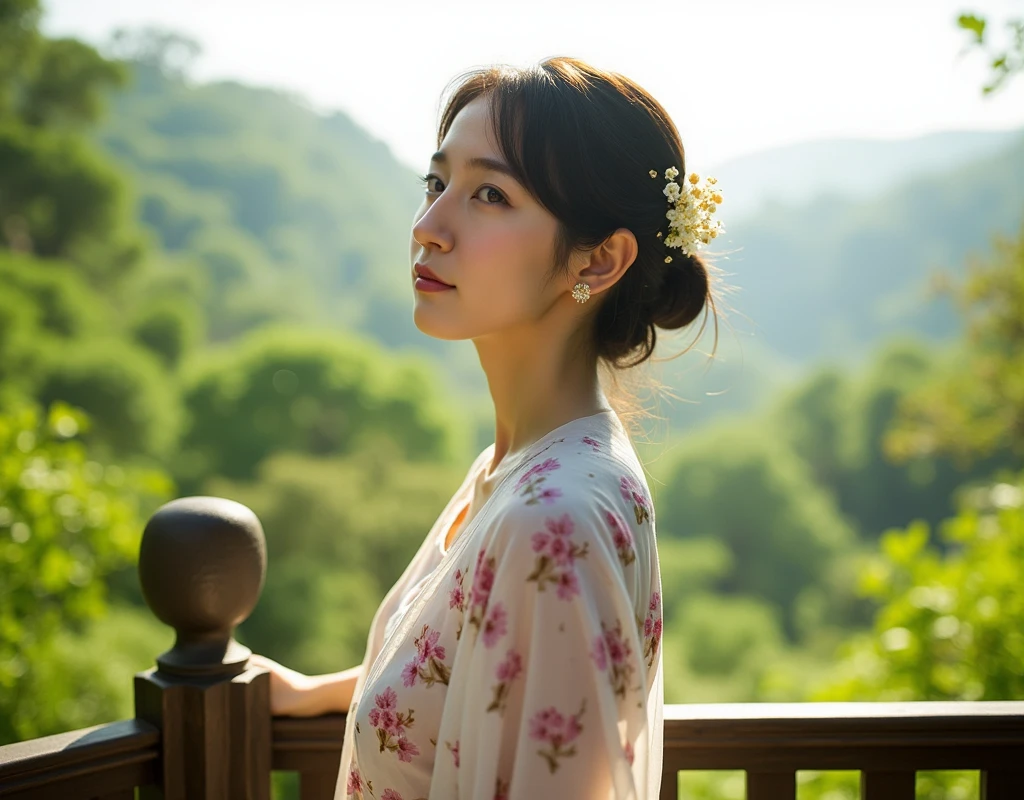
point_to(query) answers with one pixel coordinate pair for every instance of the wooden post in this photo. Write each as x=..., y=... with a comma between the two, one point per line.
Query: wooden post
x=201, y=565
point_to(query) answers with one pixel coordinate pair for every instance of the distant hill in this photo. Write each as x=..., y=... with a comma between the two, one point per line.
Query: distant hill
x=306, y=215
x=831, y=278
x=852, y=168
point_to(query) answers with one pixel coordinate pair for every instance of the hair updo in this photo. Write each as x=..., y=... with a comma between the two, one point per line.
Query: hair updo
x=583, y=141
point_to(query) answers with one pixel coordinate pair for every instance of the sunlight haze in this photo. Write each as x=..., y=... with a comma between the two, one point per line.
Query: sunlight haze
x=737, y=77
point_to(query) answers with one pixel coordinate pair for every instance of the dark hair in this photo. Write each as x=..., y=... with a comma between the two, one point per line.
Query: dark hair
x=583, y=142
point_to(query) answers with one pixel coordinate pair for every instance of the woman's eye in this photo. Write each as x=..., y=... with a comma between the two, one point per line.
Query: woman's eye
x=430, y=182
x=490, y=192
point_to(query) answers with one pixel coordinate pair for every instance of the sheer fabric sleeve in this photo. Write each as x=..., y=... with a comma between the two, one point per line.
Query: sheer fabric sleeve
x=560, y=661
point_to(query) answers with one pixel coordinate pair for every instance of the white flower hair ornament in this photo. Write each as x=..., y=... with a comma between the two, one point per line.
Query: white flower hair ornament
x=691, y=222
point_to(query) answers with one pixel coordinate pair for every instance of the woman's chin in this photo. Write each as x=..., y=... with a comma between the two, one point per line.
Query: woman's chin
x=435, y=323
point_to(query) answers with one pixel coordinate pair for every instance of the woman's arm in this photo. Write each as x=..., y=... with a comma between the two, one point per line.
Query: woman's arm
x=295, y=694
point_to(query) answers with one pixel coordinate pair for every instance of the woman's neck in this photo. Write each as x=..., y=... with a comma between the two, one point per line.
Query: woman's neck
x=536, y=386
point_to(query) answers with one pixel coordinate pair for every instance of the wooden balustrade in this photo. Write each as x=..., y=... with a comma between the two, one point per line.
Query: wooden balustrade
x=203, y=729
x=887, y=742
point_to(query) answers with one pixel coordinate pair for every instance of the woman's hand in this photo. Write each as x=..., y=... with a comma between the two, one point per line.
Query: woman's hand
x=288, y=689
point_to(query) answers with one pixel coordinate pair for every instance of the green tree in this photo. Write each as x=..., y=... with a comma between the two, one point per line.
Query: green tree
x=66, y=522
x=59, y=197
x=742, y=486
x=951, y=620
x=169, y=329
x=950, y=625
x=976, y=409
x=134, y=405
x=286, y=390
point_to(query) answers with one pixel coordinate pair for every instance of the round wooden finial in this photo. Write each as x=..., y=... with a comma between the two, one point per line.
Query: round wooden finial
x=202, y=564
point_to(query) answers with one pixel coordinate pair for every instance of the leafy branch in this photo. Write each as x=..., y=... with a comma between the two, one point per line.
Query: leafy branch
x=1004, y=62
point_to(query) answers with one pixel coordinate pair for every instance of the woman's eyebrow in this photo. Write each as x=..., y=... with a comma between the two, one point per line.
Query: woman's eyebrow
x=479, y=162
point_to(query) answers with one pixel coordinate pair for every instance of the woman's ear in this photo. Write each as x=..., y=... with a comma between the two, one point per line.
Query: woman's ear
x=602, y=267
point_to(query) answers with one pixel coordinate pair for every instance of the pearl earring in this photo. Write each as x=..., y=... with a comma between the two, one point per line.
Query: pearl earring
x=581, y=292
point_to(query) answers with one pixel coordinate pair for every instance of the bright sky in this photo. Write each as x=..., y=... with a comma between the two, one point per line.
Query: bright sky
x=737, y=76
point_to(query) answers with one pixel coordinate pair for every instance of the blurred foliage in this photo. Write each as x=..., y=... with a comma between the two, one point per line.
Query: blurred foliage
x=951, y=625
x=1004, y=62
x=66, y=522
x=976, y=408
x=284, y=390
x=60, y=198
x=783, y=534
x=950, y=622
x=84, y=675
x=169, y=329
x=131, y=400
x=839, y=422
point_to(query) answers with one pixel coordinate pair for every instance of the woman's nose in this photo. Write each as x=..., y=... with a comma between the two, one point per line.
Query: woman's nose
x=431, y=230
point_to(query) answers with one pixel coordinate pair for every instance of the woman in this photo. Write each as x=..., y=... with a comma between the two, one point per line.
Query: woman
x=518, y=655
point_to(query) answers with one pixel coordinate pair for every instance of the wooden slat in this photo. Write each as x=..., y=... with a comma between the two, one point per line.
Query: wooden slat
x=92, y=762
x=875, y=785
x=771, y=786
x=669, y=784
x=307, y=745
x=1004, y=784
x=317, y=785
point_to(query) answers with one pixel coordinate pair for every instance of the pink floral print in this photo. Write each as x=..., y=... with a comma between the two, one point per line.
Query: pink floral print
x=428, y=663
x=627, y=748
x=356, y=783
x=506, y=672
x=495, y=625
x=611, y=649
x=633, y=492
x=454, y=748
x=483, y=580
x=390, y=794
x=557, y=730
x=621, y=537
x=531, y=481
x=652, y=628
x=593, y=443
x=457, y=596
x=391, y=725
x=546, y=466
x=556, y=557
x=480, y=592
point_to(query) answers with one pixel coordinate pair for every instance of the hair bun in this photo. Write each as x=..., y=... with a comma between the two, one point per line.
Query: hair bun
x=683, y=293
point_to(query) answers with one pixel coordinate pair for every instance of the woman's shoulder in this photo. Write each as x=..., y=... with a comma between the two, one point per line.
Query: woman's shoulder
x=579, y=482
x=577, y=472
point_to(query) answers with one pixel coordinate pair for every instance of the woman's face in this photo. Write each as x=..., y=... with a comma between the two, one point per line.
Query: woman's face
x=481, y=232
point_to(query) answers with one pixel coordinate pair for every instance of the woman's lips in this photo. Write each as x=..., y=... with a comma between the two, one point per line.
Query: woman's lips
x=427, y=280
x=428, y=285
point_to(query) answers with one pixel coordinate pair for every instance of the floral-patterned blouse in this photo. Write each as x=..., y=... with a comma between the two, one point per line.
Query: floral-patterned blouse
x=523, y=662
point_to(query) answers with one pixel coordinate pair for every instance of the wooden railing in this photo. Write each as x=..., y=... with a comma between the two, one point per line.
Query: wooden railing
x=203, y=729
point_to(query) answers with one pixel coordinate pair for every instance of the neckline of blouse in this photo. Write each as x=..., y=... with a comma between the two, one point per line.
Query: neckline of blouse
x=534, y=449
